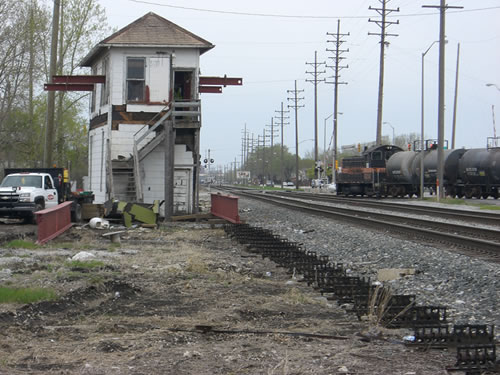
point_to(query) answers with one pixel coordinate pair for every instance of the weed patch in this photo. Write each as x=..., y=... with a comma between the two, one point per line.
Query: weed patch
x=295, y=297
x=25, y=295
x=22, y=244
x=85, y=264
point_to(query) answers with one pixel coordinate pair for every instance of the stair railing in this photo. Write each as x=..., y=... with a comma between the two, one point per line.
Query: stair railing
x=135, y=149
x=137, y=175
x=188, y=110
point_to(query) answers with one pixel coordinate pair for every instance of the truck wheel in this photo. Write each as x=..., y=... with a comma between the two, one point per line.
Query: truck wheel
x=38, y=207
x=76, y=214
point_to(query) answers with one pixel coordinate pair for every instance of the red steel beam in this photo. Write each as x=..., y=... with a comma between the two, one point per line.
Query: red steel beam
x=53, y=221
x=224, y=81
x=68, y=87
x=210, y=89
x=86, y=79
x=225, y=207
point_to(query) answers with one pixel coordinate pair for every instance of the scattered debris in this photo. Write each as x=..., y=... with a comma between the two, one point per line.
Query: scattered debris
x=98, y=223
x=114, y=236
x=83, y=255
x=387, y=274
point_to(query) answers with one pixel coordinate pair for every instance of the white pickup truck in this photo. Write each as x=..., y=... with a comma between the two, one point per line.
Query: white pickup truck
x=25, y=191
x=22, y=194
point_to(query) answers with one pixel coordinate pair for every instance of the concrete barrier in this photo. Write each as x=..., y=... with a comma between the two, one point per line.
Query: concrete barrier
x=225, y=207
x=53, y=221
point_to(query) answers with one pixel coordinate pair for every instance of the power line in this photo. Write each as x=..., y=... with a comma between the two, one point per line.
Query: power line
x=282, y=119
x=383, y=24
x=271, y=15
x=315, y=81
x=440, y=150
x=337, y=40
x=296, y=107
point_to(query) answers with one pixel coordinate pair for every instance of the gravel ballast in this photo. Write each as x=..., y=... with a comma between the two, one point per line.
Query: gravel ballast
x=469, y=288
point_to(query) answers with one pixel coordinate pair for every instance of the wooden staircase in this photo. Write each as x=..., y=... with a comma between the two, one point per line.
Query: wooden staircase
x=126, y=173
x=124, y=180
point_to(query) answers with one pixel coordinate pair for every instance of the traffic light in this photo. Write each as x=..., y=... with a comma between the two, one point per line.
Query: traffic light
x=336, y=165
x=359, y=147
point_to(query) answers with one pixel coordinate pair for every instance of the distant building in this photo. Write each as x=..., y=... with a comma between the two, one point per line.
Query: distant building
x=144, y=134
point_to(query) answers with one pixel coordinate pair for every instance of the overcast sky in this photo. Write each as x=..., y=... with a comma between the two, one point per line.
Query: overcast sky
x=267, y=43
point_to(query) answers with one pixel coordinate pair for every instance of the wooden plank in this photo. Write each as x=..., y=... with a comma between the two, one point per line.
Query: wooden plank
x=90, y=210
x=192, y=217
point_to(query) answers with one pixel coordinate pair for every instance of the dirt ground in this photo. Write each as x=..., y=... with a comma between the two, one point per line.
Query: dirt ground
x=184, y=299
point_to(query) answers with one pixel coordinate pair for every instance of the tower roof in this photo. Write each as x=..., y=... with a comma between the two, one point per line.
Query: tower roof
x=150, y=30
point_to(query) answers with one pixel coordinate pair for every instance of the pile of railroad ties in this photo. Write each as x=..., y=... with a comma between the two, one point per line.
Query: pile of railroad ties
x=475, y=344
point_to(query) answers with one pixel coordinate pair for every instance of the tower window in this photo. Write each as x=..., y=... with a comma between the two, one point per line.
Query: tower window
x=135, y=79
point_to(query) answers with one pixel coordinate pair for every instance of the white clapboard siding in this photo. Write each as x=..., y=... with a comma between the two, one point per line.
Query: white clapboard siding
x=123, y=139
x=159, y=82
x=153, y=167
x=97, y=163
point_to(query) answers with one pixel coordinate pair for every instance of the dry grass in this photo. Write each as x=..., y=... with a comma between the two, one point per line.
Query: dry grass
x=379, y=305
x=295, y=297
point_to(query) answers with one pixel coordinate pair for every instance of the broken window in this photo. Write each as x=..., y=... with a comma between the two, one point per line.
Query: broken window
x=182, y=85
x=135, y=79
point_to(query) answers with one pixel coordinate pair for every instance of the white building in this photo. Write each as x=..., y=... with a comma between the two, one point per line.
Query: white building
x=145, y=119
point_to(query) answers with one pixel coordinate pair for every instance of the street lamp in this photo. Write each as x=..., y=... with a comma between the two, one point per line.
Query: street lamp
x=393, y=134
x=422, y=148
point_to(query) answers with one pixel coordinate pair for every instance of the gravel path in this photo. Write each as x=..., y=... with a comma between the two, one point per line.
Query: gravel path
x=470, y=288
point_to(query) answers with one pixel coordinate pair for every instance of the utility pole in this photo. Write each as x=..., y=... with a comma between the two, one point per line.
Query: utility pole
x=336, y=68
x=455, y=101
x=282, y=118
x=51, y=98
x=272, y=133
x=296, y=107
x=315, y=81
x=495, y=140
x=264, y=136
x=244, y=146
x=383, y=24
x=442, y=36
x=235, y=165
x=248, y=151
x=263, y=155
x=252, y=152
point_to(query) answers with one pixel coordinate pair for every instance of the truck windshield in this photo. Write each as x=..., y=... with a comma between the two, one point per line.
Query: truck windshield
x=14, y=181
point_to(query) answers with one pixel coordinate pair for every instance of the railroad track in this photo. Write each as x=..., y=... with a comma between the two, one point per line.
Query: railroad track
x=485, y=218
x=474, y=241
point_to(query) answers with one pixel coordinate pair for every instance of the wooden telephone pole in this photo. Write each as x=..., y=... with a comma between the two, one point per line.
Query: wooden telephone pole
x=383, y=24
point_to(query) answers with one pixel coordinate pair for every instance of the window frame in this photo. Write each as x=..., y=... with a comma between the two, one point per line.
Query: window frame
x=130, y=80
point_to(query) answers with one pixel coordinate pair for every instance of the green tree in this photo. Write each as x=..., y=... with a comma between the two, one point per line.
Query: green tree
x=82, y=24
x=24, y=52
x=22, y=42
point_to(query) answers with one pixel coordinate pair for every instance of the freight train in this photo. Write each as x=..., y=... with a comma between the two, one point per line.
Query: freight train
x=388, y=170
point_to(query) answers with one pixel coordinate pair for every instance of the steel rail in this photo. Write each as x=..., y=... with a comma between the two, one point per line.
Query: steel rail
x=486, y=218
x=380, y=221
